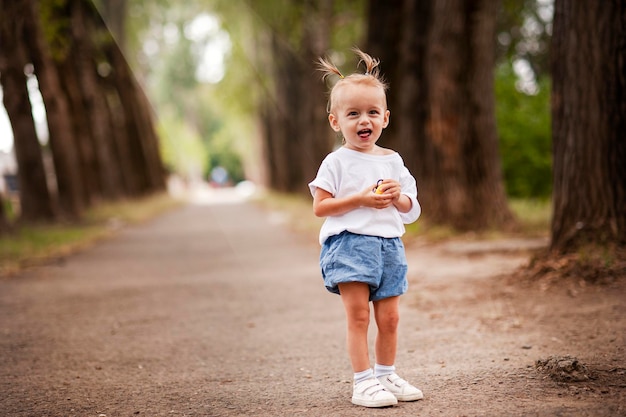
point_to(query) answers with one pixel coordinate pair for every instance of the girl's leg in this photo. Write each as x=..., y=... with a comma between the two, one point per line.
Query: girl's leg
x=367, y=390
x=386, y=313
x=355, y=297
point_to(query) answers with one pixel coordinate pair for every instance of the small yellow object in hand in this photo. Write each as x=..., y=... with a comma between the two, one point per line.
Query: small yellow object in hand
x=378, y=189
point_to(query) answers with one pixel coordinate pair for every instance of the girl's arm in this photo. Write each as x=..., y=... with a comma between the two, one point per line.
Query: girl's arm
x=403, y=203
x=324, y=204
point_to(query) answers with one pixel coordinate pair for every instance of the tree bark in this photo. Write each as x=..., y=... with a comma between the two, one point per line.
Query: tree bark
x=385, y=34
x=86, y=31
x=463, y=185
x=317, y=138
x=398, y=35
x=35, y=200
x=295, y=128
x=62, y=139
x=439, y=59
x=589, y=123
x=91, y=189
x=133, y=151
x=281, y=125
x=147, y=168
x=122, y=143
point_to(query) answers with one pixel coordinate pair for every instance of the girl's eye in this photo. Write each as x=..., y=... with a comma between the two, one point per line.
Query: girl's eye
x=373, y=111
x=352, y=113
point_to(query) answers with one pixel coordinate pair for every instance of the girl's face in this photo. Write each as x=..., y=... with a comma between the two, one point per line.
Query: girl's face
x=360, y=114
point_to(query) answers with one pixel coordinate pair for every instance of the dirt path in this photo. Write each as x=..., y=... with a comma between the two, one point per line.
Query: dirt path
x=219, y=310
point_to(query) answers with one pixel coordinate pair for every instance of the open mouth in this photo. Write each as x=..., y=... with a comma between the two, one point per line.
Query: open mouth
x=365, y=133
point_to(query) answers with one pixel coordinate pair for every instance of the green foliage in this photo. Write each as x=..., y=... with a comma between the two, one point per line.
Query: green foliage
x=349, y=27
x=223, y=117
x=524, y=31
x=192, y=119
x=525, y=136
x=181, y=147
x=178, y=70
x=145, y=21
x=55, y=23
x=282, y=17
x=225, y=156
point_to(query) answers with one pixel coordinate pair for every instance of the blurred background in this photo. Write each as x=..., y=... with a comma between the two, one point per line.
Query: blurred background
x=129, y=95
x=502, y=110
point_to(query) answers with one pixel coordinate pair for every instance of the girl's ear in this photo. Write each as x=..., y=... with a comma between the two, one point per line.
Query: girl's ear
x=386, y=118
x=334, y=122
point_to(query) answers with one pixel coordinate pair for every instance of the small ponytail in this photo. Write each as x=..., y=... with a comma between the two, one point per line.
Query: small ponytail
x=328, y=69
x=371, y=63
x=371, y=77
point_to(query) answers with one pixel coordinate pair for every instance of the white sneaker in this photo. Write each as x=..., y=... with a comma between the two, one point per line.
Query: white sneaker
x=402, y=390
x=370, y=393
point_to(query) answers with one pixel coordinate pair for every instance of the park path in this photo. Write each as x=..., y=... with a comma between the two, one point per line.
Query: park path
x=218, y=309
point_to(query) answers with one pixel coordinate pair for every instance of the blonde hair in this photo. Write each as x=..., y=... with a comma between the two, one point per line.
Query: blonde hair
x=371, y=77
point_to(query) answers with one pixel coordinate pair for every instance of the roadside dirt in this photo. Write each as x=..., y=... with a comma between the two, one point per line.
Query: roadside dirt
x=218, y=309
x=491, y=330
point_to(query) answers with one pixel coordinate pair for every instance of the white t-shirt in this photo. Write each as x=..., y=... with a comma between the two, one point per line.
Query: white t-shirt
x=346, y=172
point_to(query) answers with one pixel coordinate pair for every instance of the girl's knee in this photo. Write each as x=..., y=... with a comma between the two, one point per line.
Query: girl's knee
x=359, y=317
x=388, y=322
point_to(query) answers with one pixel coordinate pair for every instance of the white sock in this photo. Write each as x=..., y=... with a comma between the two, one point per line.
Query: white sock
x=382, y=370
x=363, y=375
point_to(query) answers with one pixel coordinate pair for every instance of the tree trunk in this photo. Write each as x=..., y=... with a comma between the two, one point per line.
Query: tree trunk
x=147, y=170
x=281, y=125
x=385, y=32
x=91, y=189
x=129, y=155
x=295, y=128
x=317, y=139
x=122, y=144
x=35, y=200
x=150, y=139
x=5, y=226
x=589, y=123
x=86, y=31
x=463, y=185
x=398, y=35
x=62, y=139
x=438, y=58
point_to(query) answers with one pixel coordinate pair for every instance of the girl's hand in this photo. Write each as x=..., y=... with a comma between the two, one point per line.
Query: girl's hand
x=391, y=193
x=381, y=195
x=390, y=187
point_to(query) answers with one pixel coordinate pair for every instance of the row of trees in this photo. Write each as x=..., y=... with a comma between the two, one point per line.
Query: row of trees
x=101, y=132
x=439, y=57
x=443, y=68
x=166, y=42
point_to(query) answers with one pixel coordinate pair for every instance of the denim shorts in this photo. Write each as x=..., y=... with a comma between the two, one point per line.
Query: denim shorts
x=377, y=261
